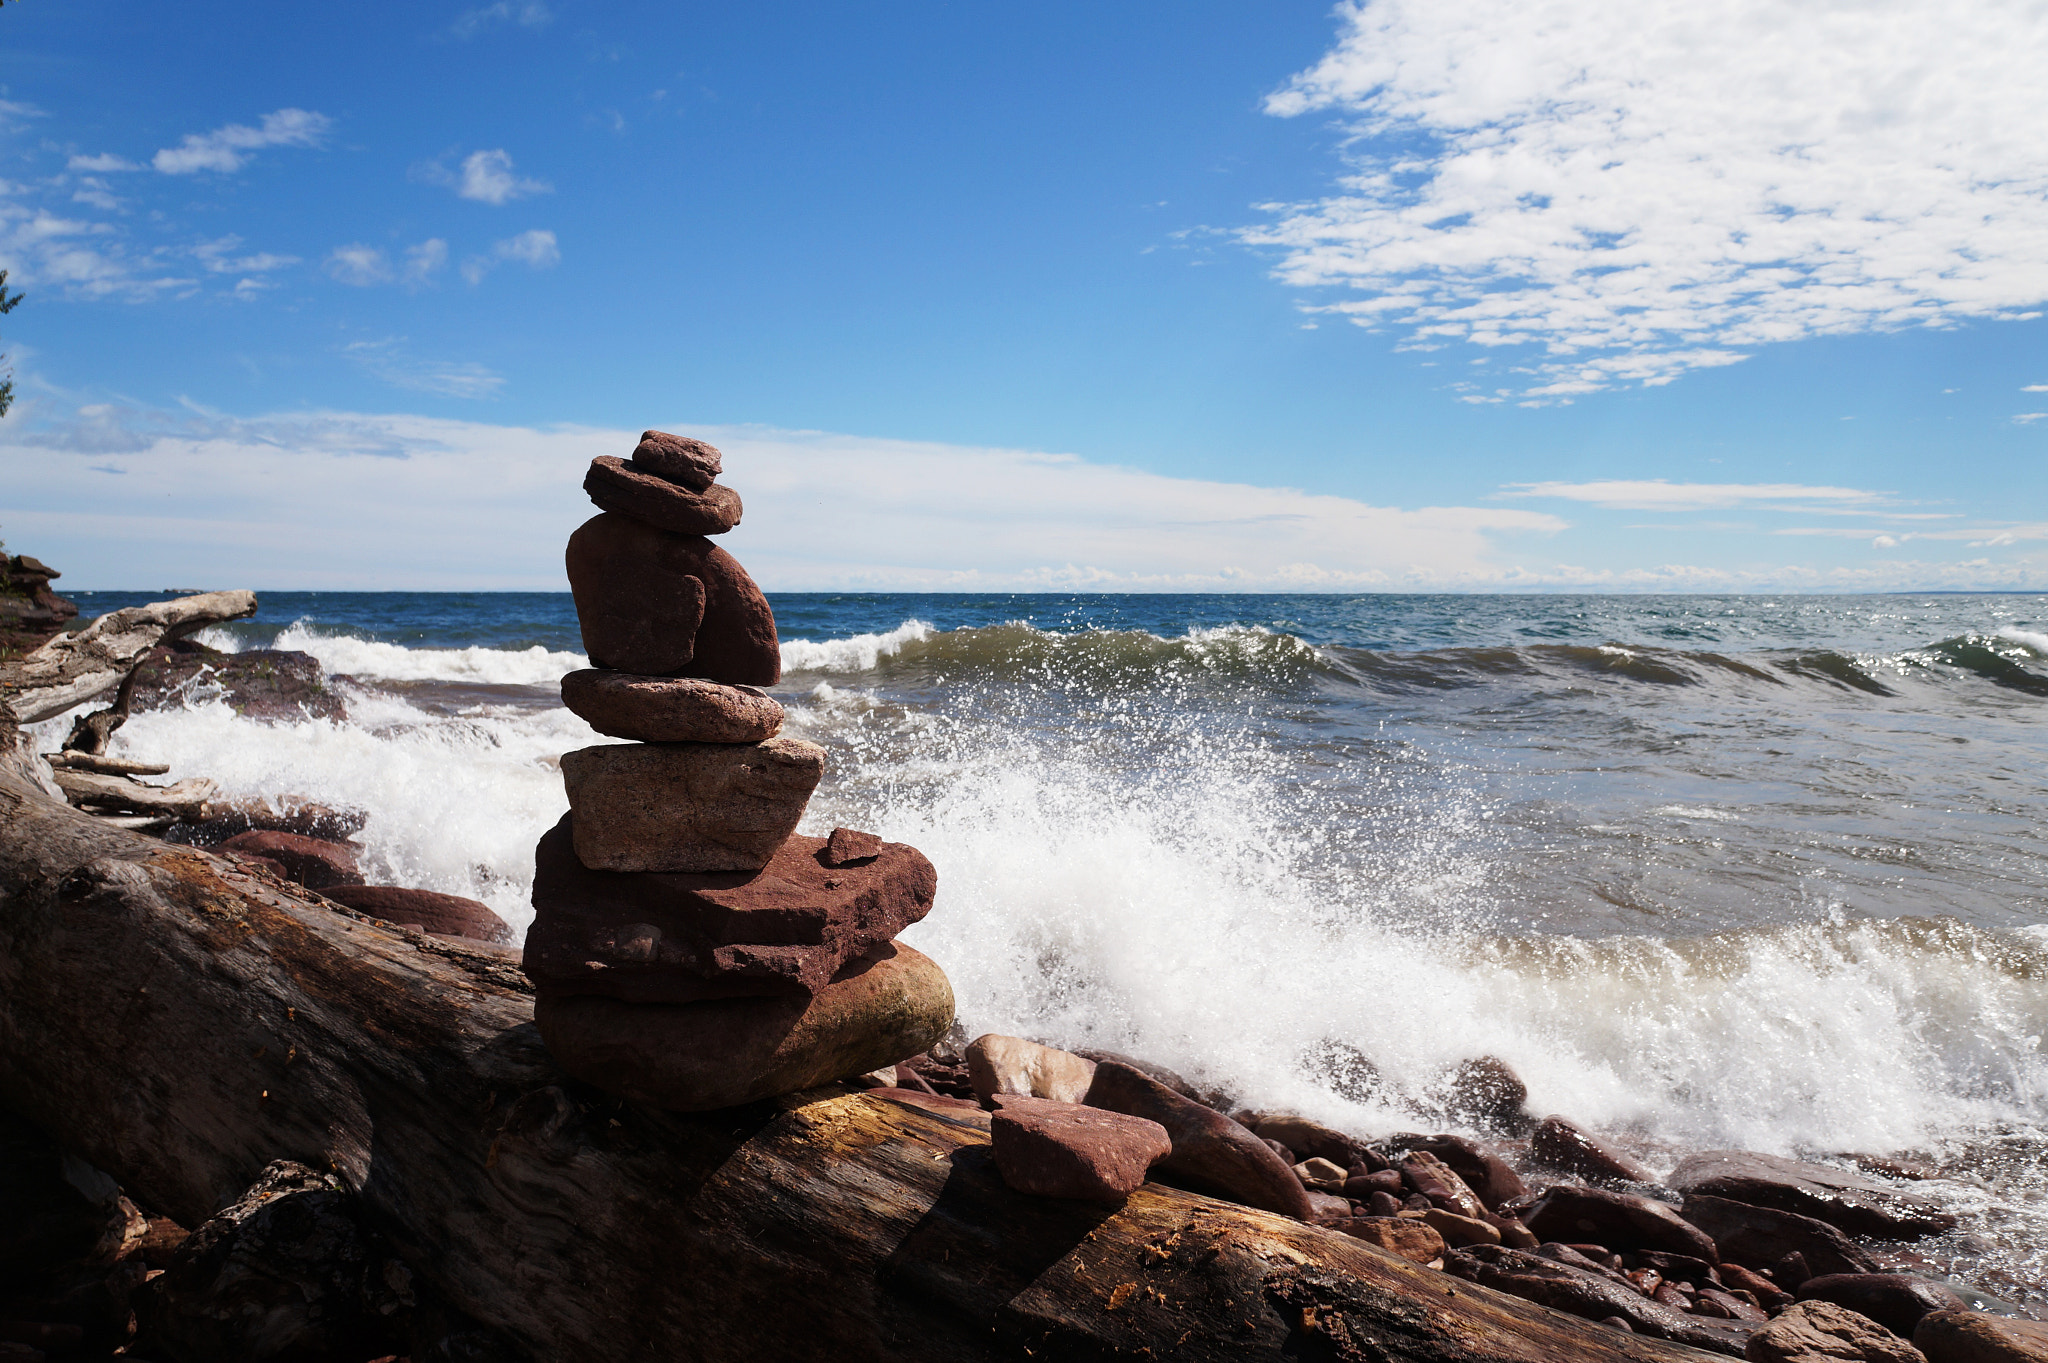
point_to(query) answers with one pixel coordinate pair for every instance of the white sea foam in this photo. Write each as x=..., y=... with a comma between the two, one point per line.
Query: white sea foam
x=2032, y=641
x=855, y=654
x=350, y=656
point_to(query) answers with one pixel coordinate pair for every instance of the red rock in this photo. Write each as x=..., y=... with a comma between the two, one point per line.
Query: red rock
x=446, y=914
x=1435, y=1180
x=1765, y=1238
x=1616, y=1220
x=1894, y=1300
x=1383, y=1205
x=1485, y=1173
x=679, y=459
x=1850, y=1202
x=1487, y=1093
x=1568, y=1147
x=654, y=938
x=1054, y=1149
x=1768, y=1294
x=635, y=603
x=695, y=1057
x=616, y=485
x=1397, y=1235
x=1582, y=1292
x=1365, y=1185
x=1726, y=1306
x=670, y=709
x=1210, y=1152
x=845, y=847
x=682, y=807
x=1821, y=1332
x=1975, y=1337
x=308, y=861
x=1460, y=1231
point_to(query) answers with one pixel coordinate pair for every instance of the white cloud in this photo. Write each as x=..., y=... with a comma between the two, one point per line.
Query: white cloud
x=525, y=13
x=424, y=261
x=359, y=265
x=95, y=193
x=536, y=248
x=219, y=258
x=1634, y=494
x=390, y=361
x=1632, y=191
x=2028, y=418
x=82, y=259
x=227, y=149
x=487, y=177
x=101, y=164
x=2035, y=388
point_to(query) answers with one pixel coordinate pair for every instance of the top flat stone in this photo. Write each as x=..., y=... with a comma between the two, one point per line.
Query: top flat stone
x=625, y=487
x=670, y=709
x=1849, y=1202
x=679, y=459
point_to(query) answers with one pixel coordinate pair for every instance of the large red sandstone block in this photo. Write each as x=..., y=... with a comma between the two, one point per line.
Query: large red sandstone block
x=694, y=1057
x=617, y=485
x=654, y=938
x=662, y=604
x=688, y=806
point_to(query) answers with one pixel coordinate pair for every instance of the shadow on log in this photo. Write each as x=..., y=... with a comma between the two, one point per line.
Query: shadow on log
x=182, y=1023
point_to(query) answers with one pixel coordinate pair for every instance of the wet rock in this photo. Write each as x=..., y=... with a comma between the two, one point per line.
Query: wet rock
x=1762, y=1238
x=286, y=1272
x=1057, y=1149
x=1211, y=1153
x=59, y=1210
x=670, y=709
x=1821, y=1332
x=1712, y=1301
x=1487, y=1093
x=1320, y=1176
x=1435, y=1180
x=1767, y=1293
x=1415, y=1241
x=1894, y=1300
x=311, y=862
x=292, y=814
x=1326, y=1209
x=1513, y=1233
x=679, y=459
x=1312, y=1140
x=620, y=487
x=1580, y=1292
x=1345, y=1069
x=1617, y=1220
x=445, y=914
x=1678, y=1267
x=1157, y=1071
x=1383, y=1205
x=1362, y=1186
x=1460, y=1231
x=1566, y=1146
x=1485, y=1173
x=1851, y=1202
x=1975, y=1337
x=1009, y=1064
x=680, y=938
x=638, y=592
x=675, y=807
x=258, y=683
x=694, y=1057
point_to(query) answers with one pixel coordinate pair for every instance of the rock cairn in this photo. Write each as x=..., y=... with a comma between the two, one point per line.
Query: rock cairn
x=689, y=949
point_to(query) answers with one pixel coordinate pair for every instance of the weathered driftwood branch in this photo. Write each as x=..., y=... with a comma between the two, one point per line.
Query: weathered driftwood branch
x=74, y=668
x=181, y=1023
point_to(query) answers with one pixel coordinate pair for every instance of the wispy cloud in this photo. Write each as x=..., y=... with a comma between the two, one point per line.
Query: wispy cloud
x=537, y=249
x=104, y=164
x=424, y=261
x=227, y=149
x=1631, y=192
x=358, y=264
x=485, y=176
x=524, y=13
x=390, y=361
x=1634, y=494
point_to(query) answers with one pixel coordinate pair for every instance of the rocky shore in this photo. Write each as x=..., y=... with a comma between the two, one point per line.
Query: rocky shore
x=693, y=959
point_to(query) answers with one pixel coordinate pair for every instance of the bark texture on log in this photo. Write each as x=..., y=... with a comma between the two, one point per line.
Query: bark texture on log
x=74, y=668
x=181, y=1023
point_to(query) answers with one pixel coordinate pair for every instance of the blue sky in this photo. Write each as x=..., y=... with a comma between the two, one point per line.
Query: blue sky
x=1468, y=293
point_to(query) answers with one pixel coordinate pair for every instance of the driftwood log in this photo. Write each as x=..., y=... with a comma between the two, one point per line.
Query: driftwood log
x=74, y=668
x=181, y=1022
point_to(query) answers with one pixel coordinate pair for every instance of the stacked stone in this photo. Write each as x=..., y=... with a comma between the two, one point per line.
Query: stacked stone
x=689, y=950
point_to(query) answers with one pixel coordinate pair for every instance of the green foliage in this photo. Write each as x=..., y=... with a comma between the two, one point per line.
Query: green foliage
x=6, y=305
